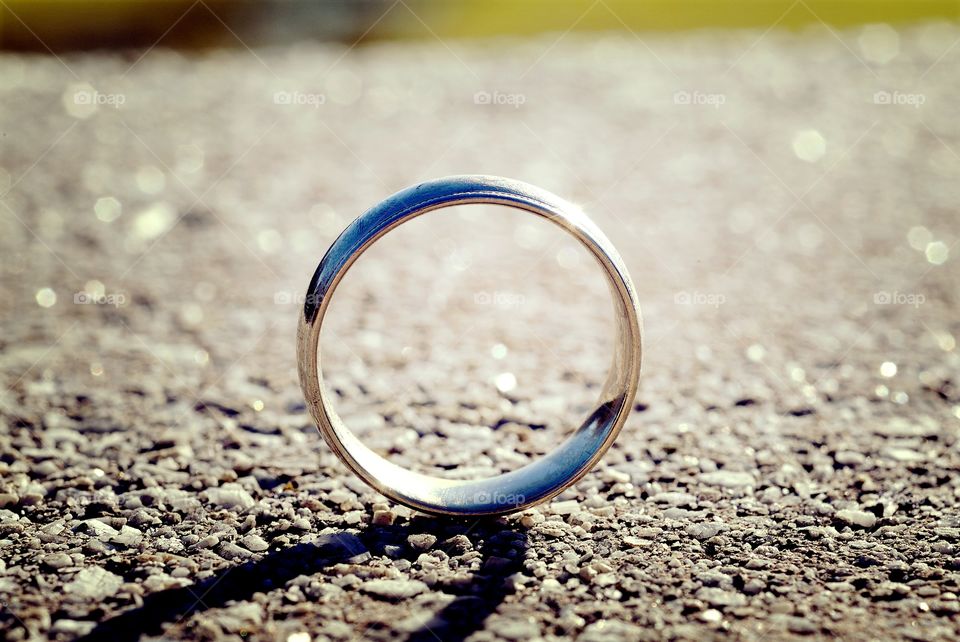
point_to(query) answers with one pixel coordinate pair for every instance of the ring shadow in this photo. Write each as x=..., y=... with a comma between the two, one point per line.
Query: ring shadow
x=502, y=555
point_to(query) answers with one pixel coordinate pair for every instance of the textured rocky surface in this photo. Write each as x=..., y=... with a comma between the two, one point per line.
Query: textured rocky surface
x=792, y=466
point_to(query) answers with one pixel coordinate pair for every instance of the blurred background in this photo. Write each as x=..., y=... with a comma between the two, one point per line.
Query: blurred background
x=196, y=158
x=63, y=25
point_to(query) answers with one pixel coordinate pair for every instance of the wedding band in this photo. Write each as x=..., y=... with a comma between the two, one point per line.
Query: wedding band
x=536, y=482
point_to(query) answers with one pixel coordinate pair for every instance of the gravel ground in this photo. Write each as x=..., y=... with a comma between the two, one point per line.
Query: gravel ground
x=791, y=469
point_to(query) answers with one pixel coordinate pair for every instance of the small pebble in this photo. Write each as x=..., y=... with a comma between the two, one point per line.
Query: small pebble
x=254, y=542
x=859, y=518
x=393, y=589
x=57, y=560
x=421, y=542
x=383, y=518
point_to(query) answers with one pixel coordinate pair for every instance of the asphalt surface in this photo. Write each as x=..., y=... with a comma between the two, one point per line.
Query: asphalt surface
x=790, y=470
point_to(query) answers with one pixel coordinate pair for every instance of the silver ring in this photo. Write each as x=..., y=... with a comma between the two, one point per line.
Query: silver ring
x=536, y=482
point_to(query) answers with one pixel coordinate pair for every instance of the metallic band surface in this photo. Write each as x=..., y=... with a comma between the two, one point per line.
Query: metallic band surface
x=537, y=481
